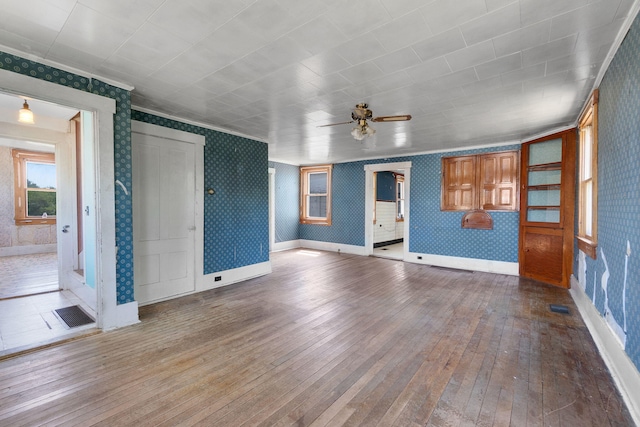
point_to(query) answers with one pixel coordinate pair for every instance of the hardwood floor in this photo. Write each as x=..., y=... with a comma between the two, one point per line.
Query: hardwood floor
x=329, y=339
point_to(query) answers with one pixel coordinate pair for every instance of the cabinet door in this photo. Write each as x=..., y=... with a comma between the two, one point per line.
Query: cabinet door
x=499, y=181
x=458, y=183
x=547, y=208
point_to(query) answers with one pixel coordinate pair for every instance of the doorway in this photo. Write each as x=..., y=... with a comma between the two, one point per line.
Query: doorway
x=387, y=209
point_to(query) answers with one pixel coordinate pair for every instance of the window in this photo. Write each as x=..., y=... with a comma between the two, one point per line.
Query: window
x=483, y=181
x=34, y=187
x=399, y=197
x=588, y=174
x=315, y=195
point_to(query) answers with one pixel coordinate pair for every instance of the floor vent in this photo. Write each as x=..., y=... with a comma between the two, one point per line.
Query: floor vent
x=559, y=308
x=455, y=270
x=73, y=316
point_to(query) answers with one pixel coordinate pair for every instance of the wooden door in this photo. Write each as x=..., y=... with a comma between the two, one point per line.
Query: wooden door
x=163, y=217
x=547, y=208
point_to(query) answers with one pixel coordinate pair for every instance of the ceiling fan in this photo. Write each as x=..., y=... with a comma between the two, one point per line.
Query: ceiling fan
x=360, y=115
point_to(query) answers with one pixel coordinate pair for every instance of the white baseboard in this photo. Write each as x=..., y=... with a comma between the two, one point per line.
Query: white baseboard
x=624, y=372
x=485, y=265
x=28, y=249
x=285, y=246
x=333, y=247
x=235, y=275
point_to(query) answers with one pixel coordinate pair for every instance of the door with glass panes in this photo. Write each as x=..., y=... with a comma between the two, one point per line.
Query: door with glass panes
x=547, y=208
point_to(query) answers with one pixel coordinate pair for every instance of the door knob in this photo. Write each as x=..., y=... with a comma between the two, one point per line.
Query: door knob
x=65, y=229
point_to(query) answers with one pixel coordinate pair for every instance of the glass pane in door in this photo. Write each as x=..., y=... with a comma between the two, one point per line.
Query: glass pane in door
x=545, y=152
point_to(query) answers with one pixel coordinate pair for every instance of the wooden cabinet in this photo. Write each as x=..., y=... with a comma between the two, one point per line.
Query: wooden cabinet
x=547, y=208
x=484, y=181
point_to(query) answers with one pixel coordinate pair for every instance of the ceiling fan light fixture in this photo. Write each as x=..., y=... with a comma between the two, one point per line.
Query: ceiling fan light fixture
x=25, y=115
x=362, y=131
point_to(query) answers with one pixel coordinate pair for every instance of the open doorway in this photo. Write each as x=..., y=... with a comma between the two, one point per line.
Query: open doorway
x=388, y=214
x=44, y=188
x=387, y=205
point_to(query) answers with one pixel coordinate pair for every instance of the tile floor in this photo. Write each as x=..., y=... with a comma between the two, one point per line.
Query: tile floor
x=395, y=251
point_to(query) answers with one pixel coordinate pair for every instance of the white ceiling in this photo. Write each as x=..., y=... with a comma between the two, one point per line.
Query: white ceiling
x=470, y=72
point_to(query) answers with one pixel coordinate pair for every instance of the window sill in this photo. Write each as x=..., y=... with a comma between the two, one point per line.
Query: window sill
x=587, y=246
x=35, y=221
x=315, y=222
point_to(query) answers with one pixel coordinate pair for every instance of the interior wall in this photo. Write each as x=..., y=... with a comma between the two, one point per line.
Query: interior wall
x=432, y=231
x=236, y=217
x=12, y=235
x=612, y=280
x=287, y=201
x=122, y=155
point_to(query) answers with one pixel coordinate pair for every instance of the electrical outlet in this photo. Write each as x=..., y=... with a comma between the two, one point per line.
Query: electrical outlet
x=218, y=278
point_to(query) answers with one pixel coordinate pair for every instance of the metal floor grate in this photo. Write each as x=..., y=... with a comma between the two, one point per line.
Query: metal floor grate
x=73, y=316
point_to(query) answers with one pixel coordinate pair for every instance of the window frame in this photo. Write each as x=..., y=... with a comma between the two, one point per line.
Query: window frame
x=20, y=159
x=305, y=171
x=588, y=243
x=400, y=198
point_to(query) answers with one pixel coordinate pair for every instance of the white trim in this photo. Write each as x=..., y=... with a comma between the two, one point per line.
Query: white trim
x=272, y=208
x=199, y=124
x=369, y=203
x=235, y=275
x=32, y=135
x=624, y=372
x=63, y=67
x=199, y=214
x=166, y=133
x=28, y=249
x=474, y=264
x=332, y=247
x=126, y=314
x=103, y=109
x=285, y=246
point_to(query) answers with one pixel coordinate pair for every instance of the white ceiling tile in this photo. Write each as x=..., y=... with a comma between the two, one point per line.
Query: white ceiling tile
x=527, y=73
x=318, y=35
x=624, y=9
x=493, y=24
x=402, y=32
x=184, y=19
x=132, y=13
x=440, y=44
x=331, y=83
x=429, y=70
x=152, y=46
x=365, y=71
x=483, y=86
x=555, y=49
x=591, y=16
x=457, y=79
x=92, y=32
x=398, y=60
x=74, y=58
x=357, y=17
x=539, y=10
x=360, y=49
x=499, y=66
x=187, y=68
x=23, y=44
x=397, y=8
x=284, y=51
x=392, y=81
x=326, y=63
x=127, y=67
x=600, y=36
x=497, y=4
x=471, y=56
x=267, y=11
x=442, y=15
x=523, y=38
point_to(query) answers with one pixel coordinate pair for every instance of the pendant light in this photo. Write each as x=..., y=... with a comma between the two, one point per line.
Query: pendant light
x=26, y=115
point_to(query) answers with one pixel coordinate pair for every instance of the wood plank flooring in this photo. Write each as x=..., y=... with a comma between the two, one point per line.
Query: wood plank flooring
x=329, y=340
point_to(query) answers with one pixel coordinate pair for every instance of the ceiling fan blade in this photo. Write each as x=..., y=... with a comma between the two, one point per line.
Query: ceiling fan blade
x=335, y=124
x=402, y=118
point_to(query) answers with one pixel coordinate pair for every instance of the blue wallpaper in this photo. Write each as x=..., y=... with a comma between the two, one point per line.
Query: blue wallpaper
x=287, y=201
x=236, y=217
x=385, y=187
x=122, y=155
x=432, y=231
x=612, y=279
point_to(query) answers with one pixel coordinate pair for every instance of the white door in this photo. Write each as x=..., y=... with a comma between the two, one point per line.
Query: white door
x=163, y=217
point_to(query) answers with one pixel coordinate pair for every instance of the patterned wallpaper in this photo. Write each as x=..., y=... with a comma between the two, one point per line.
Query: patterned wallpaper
x=432, y=231
x=122, y=154
x=612, y=280
x=236, y=217
x=287, y=201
